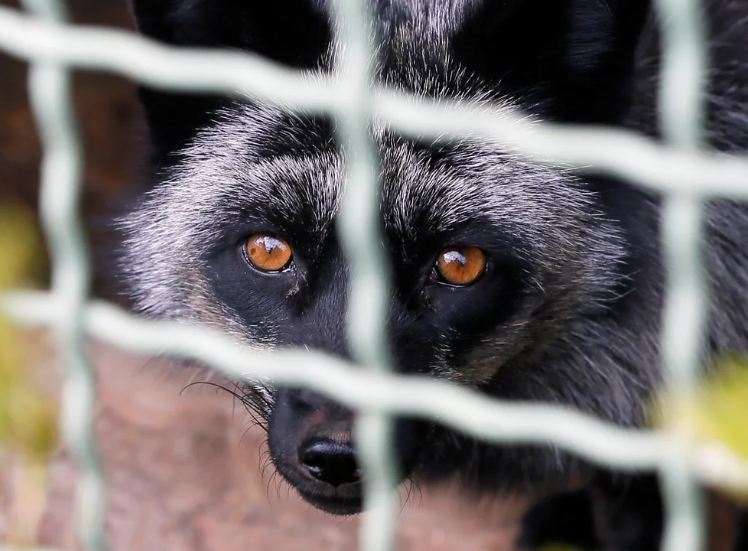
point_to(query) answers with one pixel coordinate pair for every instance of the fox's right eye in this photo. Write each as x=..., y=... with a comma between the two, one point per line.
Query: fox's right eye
x=460, y=266
x=268, y=253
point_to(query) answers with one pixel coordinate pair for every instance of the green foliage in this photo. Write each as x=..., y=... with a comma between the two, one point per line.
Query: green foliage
x=717, y=413
x=721, y=408
x=28, y=419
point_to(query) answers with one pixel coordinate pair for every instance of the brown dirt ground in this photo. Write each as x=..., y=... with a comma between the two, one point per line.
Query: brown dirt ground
x=185, y=474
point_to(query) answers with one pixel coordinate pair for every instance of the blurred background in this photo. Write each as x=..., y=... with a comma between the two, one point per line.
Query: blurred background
x=185, y=469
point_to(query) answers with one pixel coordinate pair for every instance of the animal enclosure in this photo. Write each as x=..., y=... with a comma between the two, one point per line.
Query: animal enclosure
x=686, y=175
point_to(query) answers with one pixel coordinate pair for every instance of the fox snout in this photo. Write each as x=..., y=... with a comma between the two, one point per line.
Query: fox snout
x=312, y=445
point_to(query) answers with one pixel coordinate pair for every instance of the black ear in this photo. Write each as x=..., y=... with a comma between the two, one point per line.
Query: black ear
x=572, y=59
x=292, y=32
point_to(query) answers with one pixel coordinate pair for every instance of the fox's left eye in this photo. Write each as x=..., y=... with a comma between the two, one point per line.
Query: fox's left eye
x=268, y=253
x=460, y=266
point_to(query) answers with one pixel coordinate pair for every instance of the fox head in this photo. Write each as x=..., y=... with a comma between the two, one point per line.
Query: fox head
x=525, y=282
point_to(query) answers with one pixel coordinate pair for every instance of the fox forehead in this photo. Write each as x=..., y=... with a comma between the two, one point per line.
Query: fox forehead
x=263, y=163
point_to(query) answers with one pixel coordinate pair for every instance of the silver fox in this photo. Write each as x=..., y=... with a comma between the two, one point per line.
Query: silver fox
x=525, y=282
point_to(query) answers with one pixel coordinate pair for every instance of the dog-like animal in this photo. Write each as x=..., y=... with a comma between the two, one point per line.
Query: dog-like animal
x=525, y=282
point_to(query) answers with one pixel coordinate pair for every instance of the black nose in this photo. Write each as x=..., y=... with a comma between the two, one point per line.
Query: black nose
x=330, y=461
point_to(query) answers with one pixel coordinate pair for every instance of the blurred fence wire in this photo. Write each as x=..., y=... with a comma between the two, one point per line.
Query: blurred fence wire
x=678, y=168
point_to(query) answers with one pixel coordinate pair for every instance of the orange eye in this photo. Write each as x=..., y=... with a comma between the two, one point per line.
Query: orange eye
x=268, y=253
x=461, y=265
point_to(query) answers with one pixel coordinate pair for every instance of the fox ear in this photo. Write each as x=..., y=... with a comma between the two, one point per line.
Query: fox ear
x=292, y=32
x=296, y=33
x=574, y=58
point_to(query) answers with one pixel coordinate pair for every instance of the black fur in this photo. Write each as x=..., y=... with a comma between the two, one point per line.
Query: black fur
x=292, y=32
x=568, y=310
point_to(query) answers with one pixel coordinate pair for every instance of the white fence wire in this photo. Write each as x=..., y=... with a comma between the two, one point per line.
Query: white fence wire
x=686, y=175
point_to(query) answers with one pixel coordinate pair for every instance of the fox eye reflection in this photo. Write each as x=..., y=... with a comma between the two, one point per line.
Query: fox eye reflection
x=268, y=253
x=460, y=266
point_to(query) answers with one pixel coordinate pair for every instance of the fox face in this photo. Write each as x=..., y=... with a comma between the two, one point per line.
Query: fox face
x=479, y=287
x=520, y=280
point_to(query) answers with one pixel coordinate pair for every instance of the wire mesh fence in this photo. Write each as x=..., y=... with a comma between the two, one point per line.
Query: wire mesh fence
x=678, y=168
